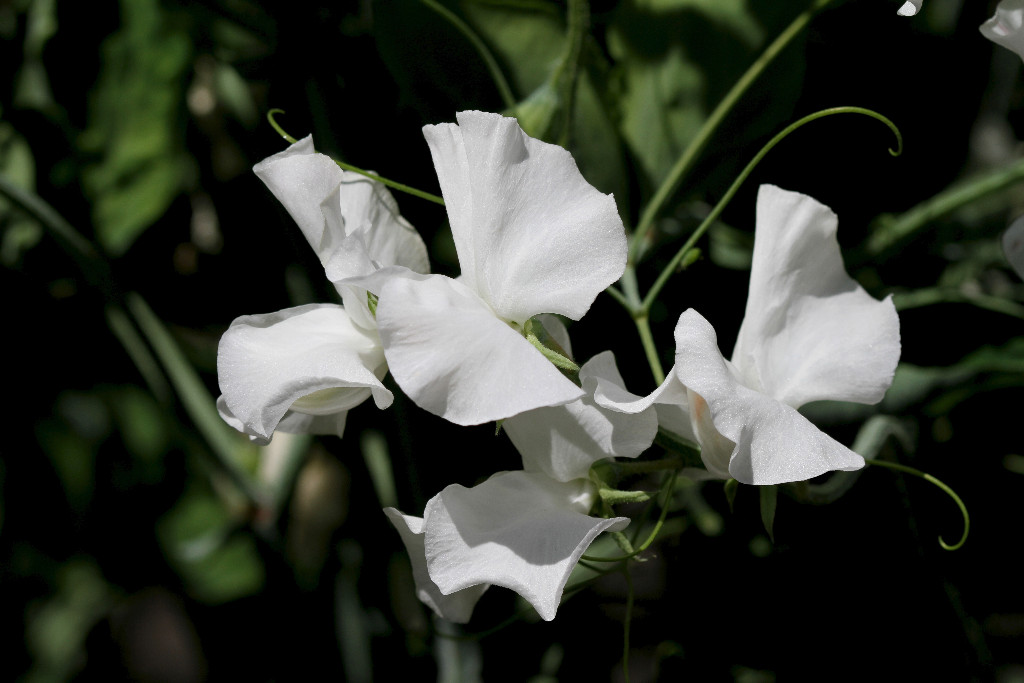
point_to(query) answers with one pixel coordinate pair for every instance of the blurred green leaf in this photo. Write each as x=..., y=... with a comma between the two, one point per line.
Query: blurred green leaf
x=135, y=124
x=17, y=164
x=32, y=85
x=216, y=564
x=664, y=80
x=234, y=95
x=56, y=630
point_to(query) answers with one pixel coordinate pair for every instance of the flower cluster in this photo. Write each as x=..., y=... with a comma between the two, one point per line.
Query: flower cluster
x=535, y=241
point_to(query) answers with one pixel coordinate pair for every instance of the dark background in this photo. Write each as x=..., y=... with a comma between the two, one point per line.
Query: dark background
x=162, y=113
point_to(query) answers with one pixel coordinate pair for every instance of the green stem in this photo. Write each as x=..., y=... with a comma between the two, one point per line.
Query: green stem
x=91, y=261
x=670, y=489
x=893, y=231
x=568, y=68
x=948, y=491
x=489, y=61
x=724, y=201
x=700, y=141
x=938, y=295
x=643, y=326
x=355, y=169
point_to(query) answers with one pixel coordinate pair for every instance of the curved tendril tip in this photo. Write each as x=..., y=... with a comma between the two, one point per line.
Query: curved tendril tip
x=945, y=488
x=277, y=127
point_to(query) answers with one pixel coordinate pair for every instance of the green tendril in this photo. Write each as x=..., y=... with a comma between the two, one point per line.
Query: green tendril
x=673, y=265
x=355, y=169
x=948, y=491
x=669, y=490
x=277, y=126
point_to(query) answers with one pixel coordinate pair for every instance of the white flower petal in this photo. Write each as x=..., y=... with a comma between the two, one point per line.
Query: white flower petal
x=520, y=530
x=454, y=358
x=564, y=441
x=910, y=8
x=810, y=332
x=457, y=607
x=532, y=235
x=377, y=234
x=291, y=423
x=302, y=179
x=773, y=442
x=310, y=359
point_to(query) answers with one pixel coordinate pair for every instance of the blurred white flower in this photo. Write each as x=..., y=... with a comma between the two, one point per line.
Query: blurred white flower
x=910, y=8
x=1004, y=27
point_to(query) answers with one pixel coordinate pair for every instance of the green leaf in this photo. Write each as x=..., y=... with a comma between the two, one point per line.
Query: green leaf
x=216, y=564
x=769, y=499
x=135, y=130
x=17, y=164
x=668, y=55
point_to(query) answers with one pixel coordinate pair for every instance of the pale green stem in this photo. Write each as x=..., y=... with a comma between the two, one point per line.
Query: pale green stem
x=568, y=68
x=670, y=269
x=894, y=231
x=643, y=326
x=355, y=169
x=670, y=489
x=937, y=295
x=945, y=488
x=120, y=325
x=492, y=64
x=692, y=152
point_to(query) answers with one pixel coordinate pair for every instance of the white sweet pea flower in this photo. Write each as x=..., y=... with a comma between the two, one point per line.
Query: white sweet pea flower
x=910, y=8
x=520, y=530
x=303, y=368
x=810, y=333
x=532, y=237
x=1004, y=27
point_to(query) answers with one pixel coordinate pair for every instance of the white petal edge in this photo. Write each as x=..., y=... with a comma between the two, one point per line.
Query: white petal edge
x=533, y=236
x=774, y=443
x=310, y=359
x=565, y=441
x=810, y=332
x=302, y=179
x=1013, y=246
x=455, y=359
x=457, y=607
x=520, y=530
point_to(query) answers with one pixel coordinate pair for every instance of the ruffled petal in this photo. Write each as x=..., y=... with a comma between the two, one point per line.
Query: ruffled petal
x=309, y=359
x=457, y=607
x=670, y=402
x=302, y=179
x=532, y=235
x=564, y=441
x=910, y=8
x=454, y=358
x=810, y=332
x=376, y=235
x=291, y=423
x=773, y=443
x=520, y=530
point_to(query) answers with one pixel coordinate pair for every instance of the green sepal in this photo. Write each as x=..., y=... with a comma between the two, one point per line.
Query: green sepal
x=371, y=303
x=615, y=496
